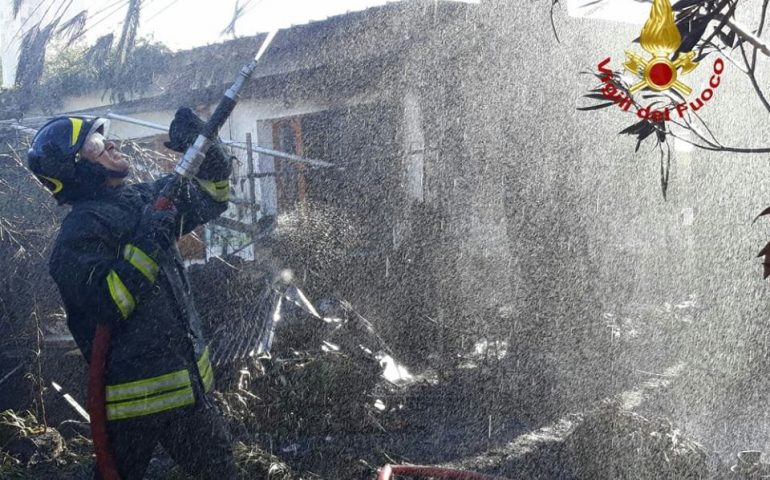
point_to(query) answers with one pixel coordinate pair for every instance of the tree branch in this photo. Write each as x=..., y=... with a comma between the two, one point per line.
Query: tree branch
x=761, y=27
x=753, y=78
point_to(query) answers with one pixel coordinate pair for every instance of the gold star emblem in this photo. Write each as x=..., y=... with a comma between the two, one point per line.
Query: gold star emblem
x=661, y=38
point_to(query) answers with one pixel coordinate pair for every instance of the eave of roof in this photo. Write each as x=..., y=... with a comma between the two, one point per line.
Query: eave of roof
x=378, y=32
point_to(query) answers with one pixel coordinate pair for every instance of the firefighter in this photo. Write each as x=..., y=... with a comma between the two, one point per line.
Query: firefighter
x=116, y=263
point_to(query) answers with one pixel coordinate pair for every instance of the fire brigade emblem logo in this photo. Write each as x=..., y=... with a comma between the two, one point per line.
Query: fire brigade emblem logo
x=661, y=39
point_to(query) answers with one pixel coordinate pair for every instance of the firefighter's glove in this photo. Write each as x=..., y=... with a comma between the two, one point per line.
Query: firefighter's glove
x=182, y=133
x=183, y=130
x=157, y=230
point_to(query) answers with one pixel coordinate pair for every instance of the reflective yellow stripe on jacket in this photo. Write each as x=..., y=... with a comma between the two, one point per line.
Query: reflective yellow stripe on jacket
x=141, y=261
x=219, y=190
x=148, y=406
x=118, y=291
x=206, y=370
x=120, y=294
x=157, y=394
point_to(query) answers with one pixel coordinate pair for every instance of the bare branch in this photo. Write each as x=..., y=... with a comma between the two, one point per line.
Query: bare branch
x=750, y=65
x=553, y=24
x=729, y=58
x=760, y=29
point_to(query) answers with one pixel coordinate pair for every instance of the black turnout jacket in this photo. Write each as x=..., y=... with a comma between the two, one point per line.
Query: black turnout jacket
x=158, y=358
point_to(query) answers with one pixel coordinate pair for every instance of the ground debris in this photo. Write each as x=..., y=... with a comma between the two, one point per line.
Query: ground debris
x=607, y=442
x=23, y=438
x=316, y=393
x=253, y=462
x=613, y=443
x=29, y=449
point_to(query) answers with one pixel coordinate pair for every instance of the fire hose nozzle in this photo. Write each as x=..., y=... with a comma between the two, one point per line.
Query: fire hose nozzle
x=243, y=76
x=193, y=157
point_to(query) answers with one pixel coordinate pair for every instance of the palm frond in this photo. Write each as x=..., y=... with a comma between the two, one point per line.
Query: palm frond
x=99, y=53
x=32, y=55
x=72, y=29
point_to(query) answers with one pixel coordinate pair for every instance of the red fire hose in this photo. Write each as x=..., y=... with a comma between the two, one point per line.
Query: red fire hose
x=386, y=472
x=97, y=409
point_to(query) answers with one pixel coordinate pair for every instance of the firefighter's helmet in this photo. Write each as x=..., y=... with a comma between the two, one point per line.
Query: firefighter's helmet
x=53, y=156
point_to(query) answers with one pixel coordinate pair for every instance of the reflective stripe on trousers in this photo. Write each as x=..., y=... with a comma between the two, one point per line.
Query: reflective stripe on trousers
x=157, y=394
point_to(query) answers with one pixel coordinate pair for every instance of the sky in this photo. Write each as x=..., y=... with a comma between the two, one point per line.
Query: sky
x=179, y=24
x=183, y=24
x=626, y=11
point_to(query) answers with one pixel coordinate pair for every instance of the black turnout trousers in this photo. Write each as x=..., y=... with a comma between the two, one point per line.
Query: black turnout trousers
x=195, y=437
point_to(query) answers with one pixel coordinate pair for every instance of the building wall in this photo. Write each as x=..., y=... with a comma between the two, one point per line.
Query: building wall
x=453, y=220
x=588, y=229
